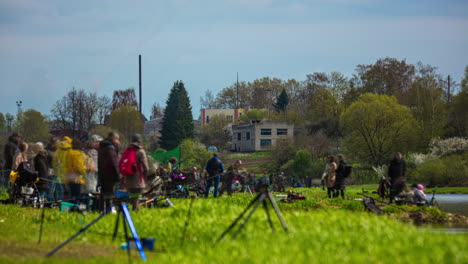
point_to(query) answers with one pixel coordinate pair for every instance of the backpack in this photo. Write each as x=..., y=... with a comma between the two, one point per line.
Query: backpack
x=214, y=166
x=347, y=171
x=128, y=162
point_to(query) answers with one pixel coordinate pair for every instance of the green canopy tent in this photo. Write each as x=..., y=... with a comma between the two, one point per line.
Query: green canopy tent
x=163, y=157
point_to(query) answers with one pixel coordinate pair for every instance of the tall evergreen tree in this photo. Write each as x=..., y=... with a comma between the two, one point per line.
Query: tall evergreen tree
x=177, y=122
x=281, y=102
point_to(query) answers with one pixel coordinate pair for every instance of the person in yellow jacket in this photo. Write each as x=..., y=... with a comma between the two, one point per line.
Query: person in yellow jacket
x=75, y=168
x=58, y=164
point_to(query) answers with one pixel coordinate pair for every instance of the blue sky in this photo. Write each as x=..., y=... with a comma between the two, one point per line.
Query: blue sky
x=48, y=47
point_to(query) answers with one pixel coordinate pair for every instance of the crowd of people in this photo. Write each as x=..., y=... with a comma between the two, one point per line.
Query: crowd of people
x=69, y=169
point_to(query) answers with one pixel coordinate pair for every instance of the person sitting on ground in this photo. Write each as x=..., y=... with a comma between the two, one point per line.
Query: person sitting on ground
x=136, y=183
x=171, y=165
x=419, y=195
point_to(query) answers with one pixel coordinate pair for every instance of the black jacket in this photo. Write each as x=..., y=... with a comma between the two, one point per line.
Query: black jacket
x=340, y=174
x=42, y=168
x=397, y=169
x=108, y=162
x=9, y=152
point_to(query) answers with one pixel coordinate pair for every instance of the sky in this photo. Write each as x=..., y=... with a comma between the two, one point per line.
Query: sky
x=47, y=47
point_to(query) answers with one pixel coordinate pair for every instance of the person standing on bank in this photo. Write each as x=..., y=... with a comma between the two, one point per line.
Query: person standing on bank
x=108, y=168
x=340, y=177
x=214, y=167
x=136, y=183
x=9, y=151
x=42, y=167
x=331, y=176
x=397, y=174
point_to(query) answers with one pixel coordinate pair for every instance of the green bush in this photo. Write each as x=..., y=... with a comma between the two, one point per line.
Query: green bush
x=447, y=171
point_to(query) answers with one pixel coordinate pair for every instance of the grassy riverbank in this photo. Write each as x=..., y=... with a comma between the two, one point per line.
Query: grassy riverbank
x=322, y=231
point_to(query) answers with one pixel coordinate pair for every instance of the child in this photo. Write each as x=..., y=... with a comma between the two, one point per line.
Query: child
x=419, y=195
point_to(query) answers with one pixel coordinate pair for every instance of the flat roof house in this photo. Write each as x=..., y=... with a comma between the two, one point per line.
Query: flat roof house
x=259, y=136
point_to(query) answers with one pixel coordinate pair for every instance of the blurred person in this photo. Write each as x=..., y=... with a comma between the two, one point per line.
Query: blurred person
x=228, y=177
x=9, y=151
x=331, y=176
x=58, y=164
x=419, y=195
x=136, y=183
x=108, y=168
x=21, y=156
x=42, y=167
x=91, y=151
x=340, y=184
x=397, y=174
x=75, y=169
x=51, y=148
x=214, y=168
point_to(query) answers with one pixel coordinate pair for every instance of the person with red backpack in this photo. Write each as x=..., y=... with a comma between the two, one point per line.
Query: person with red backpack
x=133, y=166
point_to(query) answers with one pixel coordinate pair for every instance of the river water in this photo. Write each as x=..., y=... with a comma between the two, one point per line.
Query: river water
x=451, y=203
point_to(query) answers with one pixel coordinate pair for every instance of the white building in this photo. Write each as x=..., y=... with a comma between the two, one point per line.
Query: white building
x=260, y=136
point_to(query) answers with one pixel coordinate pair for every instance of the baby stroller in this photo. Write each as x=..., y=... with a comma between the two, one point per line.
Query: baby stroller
x=23, y=190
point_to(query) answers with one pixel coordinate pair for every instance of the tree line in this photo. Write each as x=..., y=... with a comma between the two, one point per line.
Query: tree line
x=385, y=106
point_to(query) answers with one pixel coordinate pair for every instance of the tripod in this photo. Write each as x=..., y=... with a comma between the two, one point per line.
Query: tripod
x=124, y=214
x=262, y=198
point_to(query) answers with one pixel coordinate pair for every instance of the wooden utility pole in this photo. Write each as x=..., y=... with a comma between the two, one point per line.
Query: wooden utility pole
x=139, y=77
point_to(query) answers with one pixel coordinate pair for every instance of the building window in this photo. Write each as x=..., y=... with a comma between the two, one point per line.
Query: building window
x=207, y=119
x=239, y=136
x=229, y=118
x=282, y=132
x=247, y=135
x=265, y=132
x=265, y=142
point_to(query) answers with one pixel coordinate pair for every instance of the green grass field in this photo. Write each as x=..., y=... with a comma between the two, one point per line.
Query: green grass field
x=321, y=231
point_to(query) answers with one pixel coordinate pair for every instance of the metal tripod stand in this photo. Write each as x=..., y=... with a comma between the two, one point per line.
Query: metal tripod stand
x=262, y=198
x=126, y=220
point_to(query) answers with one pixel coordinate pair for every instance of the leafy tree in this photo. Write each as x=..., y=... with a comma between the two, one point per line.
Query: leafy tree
x=216, y=132
x=377, y=126
x=193, y=154
x=464, y=82
x=34, y=126
x=227, y=97
x=386, y=76
x=2, y=123
x=124, y=97
x=281, y=102
x=127, y=121
x=177, y=122
x=254, y=115
x=427, y=103
x=459, y=109
x=300, y=167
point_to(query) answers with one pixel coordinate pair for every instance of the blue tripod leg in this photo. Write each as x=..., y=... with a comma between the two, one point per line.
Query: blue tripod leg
x=128, y=218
